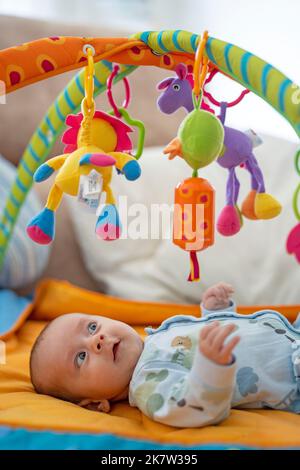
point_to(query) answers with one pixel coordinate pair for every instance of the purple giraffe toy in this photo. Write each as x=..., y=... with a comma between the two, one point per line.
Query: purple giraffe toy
x=238, y=149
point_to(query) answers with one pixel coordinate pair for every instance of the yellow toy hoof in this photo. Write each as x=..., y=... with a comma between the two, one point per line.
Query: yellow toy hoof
x=248, y=205
x=266, y=206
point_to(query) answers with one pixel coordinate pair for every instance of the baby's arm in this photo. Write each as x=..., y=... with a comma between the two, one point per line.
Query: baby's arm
x=212, y=377
x=217, y=297
x=195, y=398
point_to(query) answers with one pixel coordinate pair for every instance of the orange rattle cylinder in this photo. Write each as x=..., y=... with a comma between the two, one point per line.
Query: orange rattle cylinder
x=194, y=219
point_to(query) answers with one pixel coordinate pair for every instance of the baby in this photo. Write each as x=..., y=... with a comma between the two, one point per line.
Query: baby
x=189, y=372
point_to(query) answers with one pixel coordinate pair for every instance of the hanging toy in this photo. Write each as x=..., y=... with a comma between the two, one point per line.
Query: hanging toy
x=199, y=141
x=293, y=240
x=238, y=151
x=96, y=142
x=193, y=221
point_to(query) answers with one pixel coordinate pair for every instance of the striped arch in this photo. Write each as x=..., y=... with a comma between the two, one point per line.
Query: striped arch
x=245, y=68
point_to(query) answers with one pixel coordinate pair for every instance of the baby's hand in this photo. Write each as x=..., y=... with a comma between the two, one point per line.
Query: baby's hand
x=217, y=297
x=211, y=342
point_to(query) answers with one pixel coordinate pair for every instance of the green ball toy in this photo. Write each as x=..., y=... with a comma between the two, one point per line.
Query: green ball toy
x=202, y=136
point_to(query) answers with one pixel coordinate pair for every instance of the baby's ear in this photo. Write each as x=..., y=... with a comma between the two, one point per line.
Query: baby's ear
x=95, y=405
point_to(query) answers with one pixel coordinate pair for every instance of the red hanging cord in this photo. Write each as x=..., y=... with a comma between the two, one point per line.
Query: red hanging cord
x=216, y=102
x=111, y=100
x=211, y=76
x=195, y=269
x=231, y=103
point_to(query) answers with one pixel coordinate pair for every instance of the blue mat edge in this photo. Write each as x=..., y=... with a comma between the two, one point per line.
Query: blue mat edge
x=24, y=439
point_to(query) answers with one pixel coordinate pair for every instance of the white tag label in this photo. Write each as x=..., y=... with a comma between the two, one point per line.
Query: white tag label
x=90, y=188
x=92, y=184
x=255, y=138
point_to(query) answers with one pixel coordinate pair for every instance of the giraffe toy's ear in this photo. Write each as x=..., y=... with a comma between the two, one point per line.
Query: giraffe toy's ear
x=165, y=83
x=181, y=71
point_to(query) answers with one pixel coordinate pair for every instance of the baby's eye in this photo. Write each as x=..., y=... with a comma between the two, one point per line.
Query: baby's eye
x=92, y=327
x=80, y=358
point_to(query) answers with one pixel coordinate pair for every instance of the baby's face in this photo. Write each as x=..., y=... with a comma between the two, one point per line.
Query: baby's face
x=89, y=357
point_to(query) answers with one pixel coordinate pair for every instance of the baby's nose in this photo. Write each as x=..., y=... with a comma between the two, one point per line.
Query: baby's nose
x=99, y=342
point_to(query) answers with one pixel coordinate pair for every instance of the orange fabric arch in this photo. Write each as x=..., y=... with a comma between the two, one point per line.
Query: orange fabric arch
x=37, y=60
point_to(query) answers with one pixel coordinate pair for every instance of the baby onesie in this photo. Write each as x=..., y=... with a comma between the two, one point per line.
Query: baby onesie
x=174, y=384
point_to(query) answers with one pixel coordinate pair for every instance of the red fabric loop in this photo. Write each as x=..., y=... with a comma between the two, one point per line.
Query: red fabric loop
x=218, y=103
x=110, y=95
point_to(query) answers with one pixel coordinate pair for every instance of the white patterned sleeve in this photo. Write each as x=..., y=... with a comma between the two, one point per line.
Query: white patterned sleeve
x=195, y=398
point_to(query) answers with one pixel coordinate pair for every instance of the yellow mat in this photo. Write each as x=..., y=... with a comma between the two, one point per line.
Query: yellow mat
x=20, y=406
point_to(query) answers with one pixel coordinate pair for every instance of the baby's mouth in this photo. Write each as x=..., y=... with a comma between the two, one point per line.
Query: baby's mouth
x=115, y=349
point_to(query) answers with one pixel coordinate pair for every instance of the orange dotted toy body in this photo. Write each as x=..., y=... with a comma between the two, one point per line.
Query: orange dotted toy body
x=194, y=215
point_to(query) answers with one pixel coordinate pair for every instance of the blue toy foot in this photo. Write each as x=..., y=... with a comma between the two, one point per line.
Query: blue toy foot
x=108, y=226
x=43, y=173
x=132, y=170
x=41, y=228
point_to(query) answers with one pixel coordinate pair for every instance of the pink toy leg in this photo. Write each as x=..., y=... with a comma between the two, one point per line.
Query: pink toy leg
x=229, y=222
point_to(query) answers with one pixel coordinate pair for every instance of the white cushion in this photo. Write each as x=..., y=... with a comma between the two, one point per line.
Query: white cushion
x=254, y=261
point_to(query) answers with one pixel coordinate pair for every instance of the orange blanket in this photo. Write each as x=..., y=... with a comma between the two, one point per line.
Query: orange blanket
x=21, y=407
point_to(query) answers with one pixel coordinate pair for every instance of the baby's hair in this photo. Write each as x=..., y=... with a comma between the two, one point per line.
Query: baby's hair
x=33, y=360
x=34, y=371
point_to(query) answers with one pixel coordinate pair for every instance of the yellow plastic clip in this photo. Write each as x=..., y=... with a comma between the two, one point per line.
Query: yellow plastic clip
x=200, y=65
x=88, y=104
